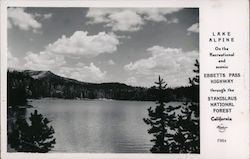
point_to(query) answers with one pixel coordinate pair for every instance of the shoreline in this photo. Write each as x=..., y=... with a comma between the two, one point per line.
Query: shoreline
x=101, y=99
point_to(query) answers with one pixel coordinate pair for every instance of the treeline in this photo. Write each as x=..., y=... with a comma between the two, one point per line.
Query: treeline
x=21, y=85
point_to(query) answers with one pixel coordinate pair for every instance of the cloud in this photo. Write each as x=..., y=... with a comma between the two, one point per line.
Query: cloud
x=47, y=16
x=9, y=25
x=43, y=61
x=111, y=62
x=173, y=64
x=157, y=14
x=57, y=64
x=117, y=19
x=13, y=61
x=131, y=81
x=79, y=44
x=43, y=16
x=174, y=20
x=82, y=44
x=83, y=72
x=23, y=20
x=129, y=19
x=125, y=20
x=193, y=28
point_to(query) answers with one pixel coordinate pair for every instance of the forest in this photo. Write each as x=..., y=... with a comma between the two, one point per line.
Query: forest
x=26, y=84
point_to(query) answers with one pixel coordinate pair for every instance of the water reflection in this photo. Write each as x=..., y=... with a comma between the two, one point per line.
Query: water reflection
x=95, y=126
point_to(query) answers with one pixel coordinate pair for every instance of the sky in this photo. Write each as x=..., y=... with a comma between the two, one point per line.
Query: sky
x=127, y=45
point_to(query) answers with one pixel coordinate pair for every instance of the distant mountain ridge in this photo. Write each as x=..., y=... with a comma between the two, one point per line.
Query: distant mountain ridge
x=40, y=84
x=48, y=75
x=39, y=74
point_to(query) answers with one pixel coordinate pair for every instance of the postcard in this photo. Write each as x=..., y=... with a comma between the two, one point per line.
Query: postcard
x=125, y=79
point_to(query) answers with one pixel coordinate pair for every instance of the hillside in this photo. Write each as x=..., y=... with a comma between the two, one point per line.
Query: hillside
x=40, y=84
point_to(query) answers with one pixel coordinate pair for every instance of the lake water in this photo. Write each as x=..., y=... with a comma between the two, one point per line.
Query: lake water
x=97, y=126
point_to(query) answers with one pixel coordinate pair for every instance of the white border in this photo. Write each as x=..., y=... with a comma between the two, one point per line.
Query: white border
x=205, y=9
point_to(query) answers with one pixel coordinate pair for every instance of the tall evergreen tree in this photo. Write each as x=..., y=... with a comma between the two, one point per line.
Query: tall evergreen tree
x=195, y=80
x=187, y=136
x=158, y=119
x=34, y=137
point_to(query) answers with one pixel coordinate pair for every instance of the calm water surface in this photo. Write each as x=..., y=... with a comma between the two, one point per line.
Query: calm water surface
x=97, y=125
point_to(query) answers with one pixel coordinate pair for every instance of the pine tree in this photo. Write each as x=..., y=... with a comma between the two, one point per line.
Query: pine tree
x=158, y=120
x=187, y=138
x=34, y=137
x=195, y=80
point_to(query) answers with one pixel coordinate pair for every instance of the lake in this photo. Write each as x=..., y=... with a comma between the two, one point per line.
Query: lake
x=97, y=126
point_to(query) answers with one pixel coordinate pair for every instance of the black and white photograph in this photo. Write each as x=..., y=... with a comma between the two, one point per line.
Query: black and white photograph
x=103, y=80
